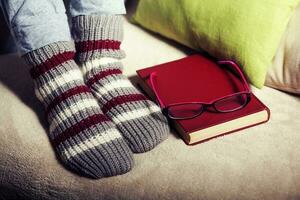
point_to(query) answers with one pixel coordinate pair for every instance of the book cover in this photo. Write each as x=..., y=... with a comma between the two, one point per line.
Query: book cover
x=198, y=78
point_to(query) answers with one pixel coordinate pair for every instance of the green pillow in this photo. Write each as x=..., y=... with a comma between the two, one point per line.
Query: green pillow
x=247, y=31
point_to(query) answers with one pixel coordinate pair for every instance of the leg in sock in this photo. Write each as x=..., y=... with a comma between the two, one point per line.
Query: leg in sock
x=140, y=121
x=85, y=140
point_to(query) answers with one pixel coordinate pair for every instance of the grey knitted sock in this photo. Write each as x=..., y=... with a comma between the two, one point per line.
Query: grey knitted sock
x=139, y=120
x=85, y=140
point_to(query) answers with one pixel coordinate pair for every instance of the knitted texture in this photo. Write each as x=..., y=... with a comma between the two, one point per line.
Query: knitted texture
x=97, y=37
x=138, y=119
x=85, y=140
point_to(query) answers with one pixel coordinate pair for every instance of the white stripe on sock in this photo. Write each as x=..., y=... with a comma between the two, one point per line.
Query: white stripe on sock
x=134, y=114
x=64, y=114
x=90, y=143
x=89, y=65
x=58, y=81
x=113, y=85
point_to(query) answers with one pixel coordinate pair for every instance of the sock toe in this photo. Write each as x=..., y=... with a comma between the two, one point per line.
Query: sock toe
x=144, y=133
x=97, y=161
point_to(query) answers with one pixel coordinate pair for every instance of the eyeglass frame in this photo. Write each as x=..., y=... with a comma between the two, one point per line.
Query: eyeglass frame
x=247, y=91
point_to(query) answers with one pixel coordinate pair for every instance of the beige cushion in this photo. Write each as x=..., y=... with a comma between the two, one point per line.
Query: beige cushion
x=284, y=74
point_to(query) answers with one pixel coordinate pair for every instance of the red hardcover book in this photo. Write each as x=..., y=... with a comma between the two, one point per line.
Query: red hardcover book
x=198, y=78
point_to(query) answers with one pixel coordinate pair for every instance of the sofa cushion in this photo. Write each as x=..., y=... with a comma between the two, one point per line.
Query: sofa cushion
x=248, y=32
x=284, y=73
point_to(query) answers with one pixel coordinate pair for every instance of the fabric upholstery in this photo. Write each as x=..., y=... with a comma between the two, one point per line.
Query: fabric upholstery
x=284, y=73
x=262, y=162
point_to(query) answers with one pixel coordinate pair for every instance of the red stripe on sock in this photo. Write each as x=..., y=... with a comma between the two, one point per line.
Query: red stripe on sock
x=85, y=46
x=121, y=100
x=79, y=127
x=102, y=74
x=51, y=63
x=71, y=92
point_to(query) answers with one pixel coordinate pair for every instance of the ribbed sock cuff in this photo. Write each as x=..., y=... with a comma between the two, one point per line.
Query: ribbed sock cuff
x=98, y=36
x=41, y=55
x=45, y=58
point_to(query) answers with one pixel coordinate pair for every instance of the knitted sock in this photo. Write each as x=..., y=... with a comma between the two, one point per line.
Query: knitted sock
x=138, y=119
x=85, y=140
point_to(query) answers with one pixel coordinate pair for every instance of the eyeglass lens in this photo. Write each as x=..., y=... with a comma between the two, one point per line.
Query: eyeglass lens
x=231, y=103
x=185, y=110
x=191, y=110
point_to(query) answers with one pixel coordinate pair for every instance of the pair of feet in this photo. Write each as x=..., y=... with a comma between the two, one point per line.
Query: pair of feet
x=97, y=118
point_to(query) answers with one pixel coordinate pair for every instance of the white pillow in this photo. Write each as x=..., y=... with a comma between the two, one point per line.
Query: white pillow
x=284, y=74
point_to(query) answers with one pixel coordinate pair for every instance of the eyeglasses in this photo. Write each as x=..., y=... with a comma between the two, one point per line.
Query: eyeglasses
x=189, y=110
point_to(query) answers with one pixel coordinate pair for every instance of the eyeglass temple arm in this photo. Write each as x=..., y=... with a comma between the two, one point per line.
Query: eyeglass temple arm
x=152, y=77
x=233, y=64
x=223, y=62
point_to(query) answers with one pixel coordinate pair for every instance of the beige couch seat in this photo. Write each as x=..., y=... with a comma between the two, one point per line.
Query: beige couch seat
x=262, y=162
